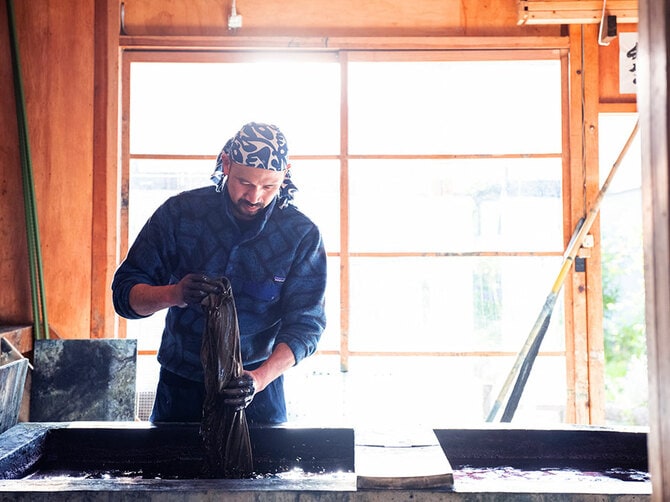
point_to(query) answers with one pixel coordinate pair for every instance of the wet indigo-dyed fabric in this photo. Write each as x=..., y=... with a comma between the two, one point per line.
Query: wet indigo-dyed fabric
x=224, y=429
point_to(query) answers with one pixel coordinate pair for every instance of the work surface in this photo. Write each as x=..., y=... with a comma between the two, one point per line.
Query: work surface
x=103, y=461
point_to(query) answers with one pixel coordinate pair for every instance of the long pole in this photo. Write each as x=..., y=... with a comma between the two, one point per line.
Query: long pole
x=526, y=357
x=40, y=321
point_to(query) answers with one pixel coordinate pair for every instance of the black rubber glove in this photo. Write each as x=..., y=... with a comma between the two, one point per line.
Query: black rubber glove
x=240, y=392
x=194, y=287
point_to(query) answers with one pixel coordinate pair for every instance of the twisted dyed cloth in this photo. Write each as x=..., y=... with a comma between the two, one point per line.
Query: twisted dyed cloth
x=224, y=429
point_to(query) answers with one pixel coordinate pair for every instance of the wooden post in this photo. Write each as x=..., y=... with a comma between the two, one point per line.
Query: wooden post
x=584, y=347
x=104, y=247
x=653, y=105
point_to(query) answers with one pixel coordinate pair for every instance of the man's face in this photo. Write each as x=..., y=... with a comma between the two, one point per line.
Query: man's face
x=251, y=188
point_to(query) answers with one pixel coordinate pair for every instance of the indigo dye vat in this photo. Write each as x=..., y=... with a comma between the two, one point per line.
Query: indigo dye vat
x=105, y=461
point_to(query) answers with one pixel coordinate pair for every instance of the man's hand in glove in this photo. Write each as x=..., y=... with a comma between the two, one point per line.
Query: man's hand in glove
x=240, y=391
x=194, y=287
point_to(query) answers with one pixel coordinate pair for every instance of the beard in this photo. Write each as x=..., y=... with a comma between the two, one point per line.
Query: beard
x=245, y=210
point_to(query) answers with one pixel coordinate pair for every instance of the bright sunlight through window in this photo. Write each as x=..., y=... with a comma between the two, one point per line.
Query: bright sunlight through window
x=437, y=186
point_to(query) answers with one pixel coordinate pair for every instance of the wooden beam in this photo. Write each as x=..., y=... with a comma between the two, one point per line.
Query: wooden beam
x=215, y=43
x=594, y=407
x=344, y=214
x=583, y=290
x=653, y=101
x=104, y=251
x=576, y=11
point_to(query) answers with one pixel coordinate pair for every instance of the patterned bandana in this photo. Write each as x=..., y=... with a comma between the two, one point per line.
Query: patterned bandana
x=262, y=146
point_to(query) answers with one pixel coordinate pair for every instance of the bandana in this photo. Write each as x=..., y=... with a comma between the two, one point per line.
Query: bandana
x=262, y=146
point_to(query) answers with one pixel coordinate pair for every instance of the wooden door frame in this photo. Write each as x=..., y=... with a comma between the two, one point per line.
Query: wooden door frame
x=654, y=43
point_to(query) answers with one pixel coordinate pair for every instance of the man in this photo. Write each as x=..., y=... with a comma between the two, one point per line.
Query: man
x=246, y=229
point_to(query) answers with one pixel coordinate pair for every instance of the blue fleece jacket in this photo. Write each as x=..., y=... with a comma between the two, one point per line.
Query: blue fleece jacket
x=277, y=269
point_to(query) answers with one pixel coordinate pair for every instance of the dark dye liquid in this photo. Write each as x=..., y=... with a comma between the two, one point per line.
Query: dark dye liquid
x=103, y=474
x=469, y=477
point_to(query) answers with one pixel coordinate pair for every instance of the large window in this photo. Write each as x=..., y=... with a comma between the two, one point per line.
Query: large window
x=436, y=180
x=623, y=275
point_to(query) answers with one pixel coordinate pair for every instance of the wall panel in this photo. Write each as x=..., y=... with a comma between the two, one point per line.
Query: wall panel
x=15, y=300
x=308, y=17
x=56, y=47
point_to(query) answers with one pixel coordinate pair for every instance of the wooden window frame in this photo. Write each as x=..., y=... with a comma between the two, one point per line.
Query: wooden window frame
x=353, y=49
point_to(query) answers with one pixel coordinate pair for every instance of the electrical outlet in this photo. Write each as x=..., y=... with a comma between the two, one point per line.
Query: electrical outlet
x=234, y=21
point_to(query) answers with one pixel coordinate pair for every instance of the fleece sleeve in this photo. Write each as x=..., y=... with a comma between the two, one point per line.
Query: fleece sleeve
x=149, y=261
x=303, y=304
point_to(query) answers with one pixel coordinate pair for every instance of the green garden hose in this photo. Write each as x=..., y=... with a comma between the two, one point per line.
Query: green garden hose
x=40, y=322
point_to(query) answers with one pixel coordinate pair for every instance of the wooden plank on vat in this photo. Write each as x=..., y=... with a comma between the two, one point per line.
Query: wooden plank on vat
x=407, y=459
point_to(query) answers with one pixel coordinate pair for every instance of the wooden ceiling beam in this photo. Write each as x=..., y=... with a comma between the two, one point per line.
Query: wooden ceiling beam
x=576, y=11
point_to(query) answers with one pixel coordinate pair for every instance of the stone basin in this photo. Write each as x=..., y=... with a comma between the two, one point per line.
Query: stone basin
x=140, y=461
